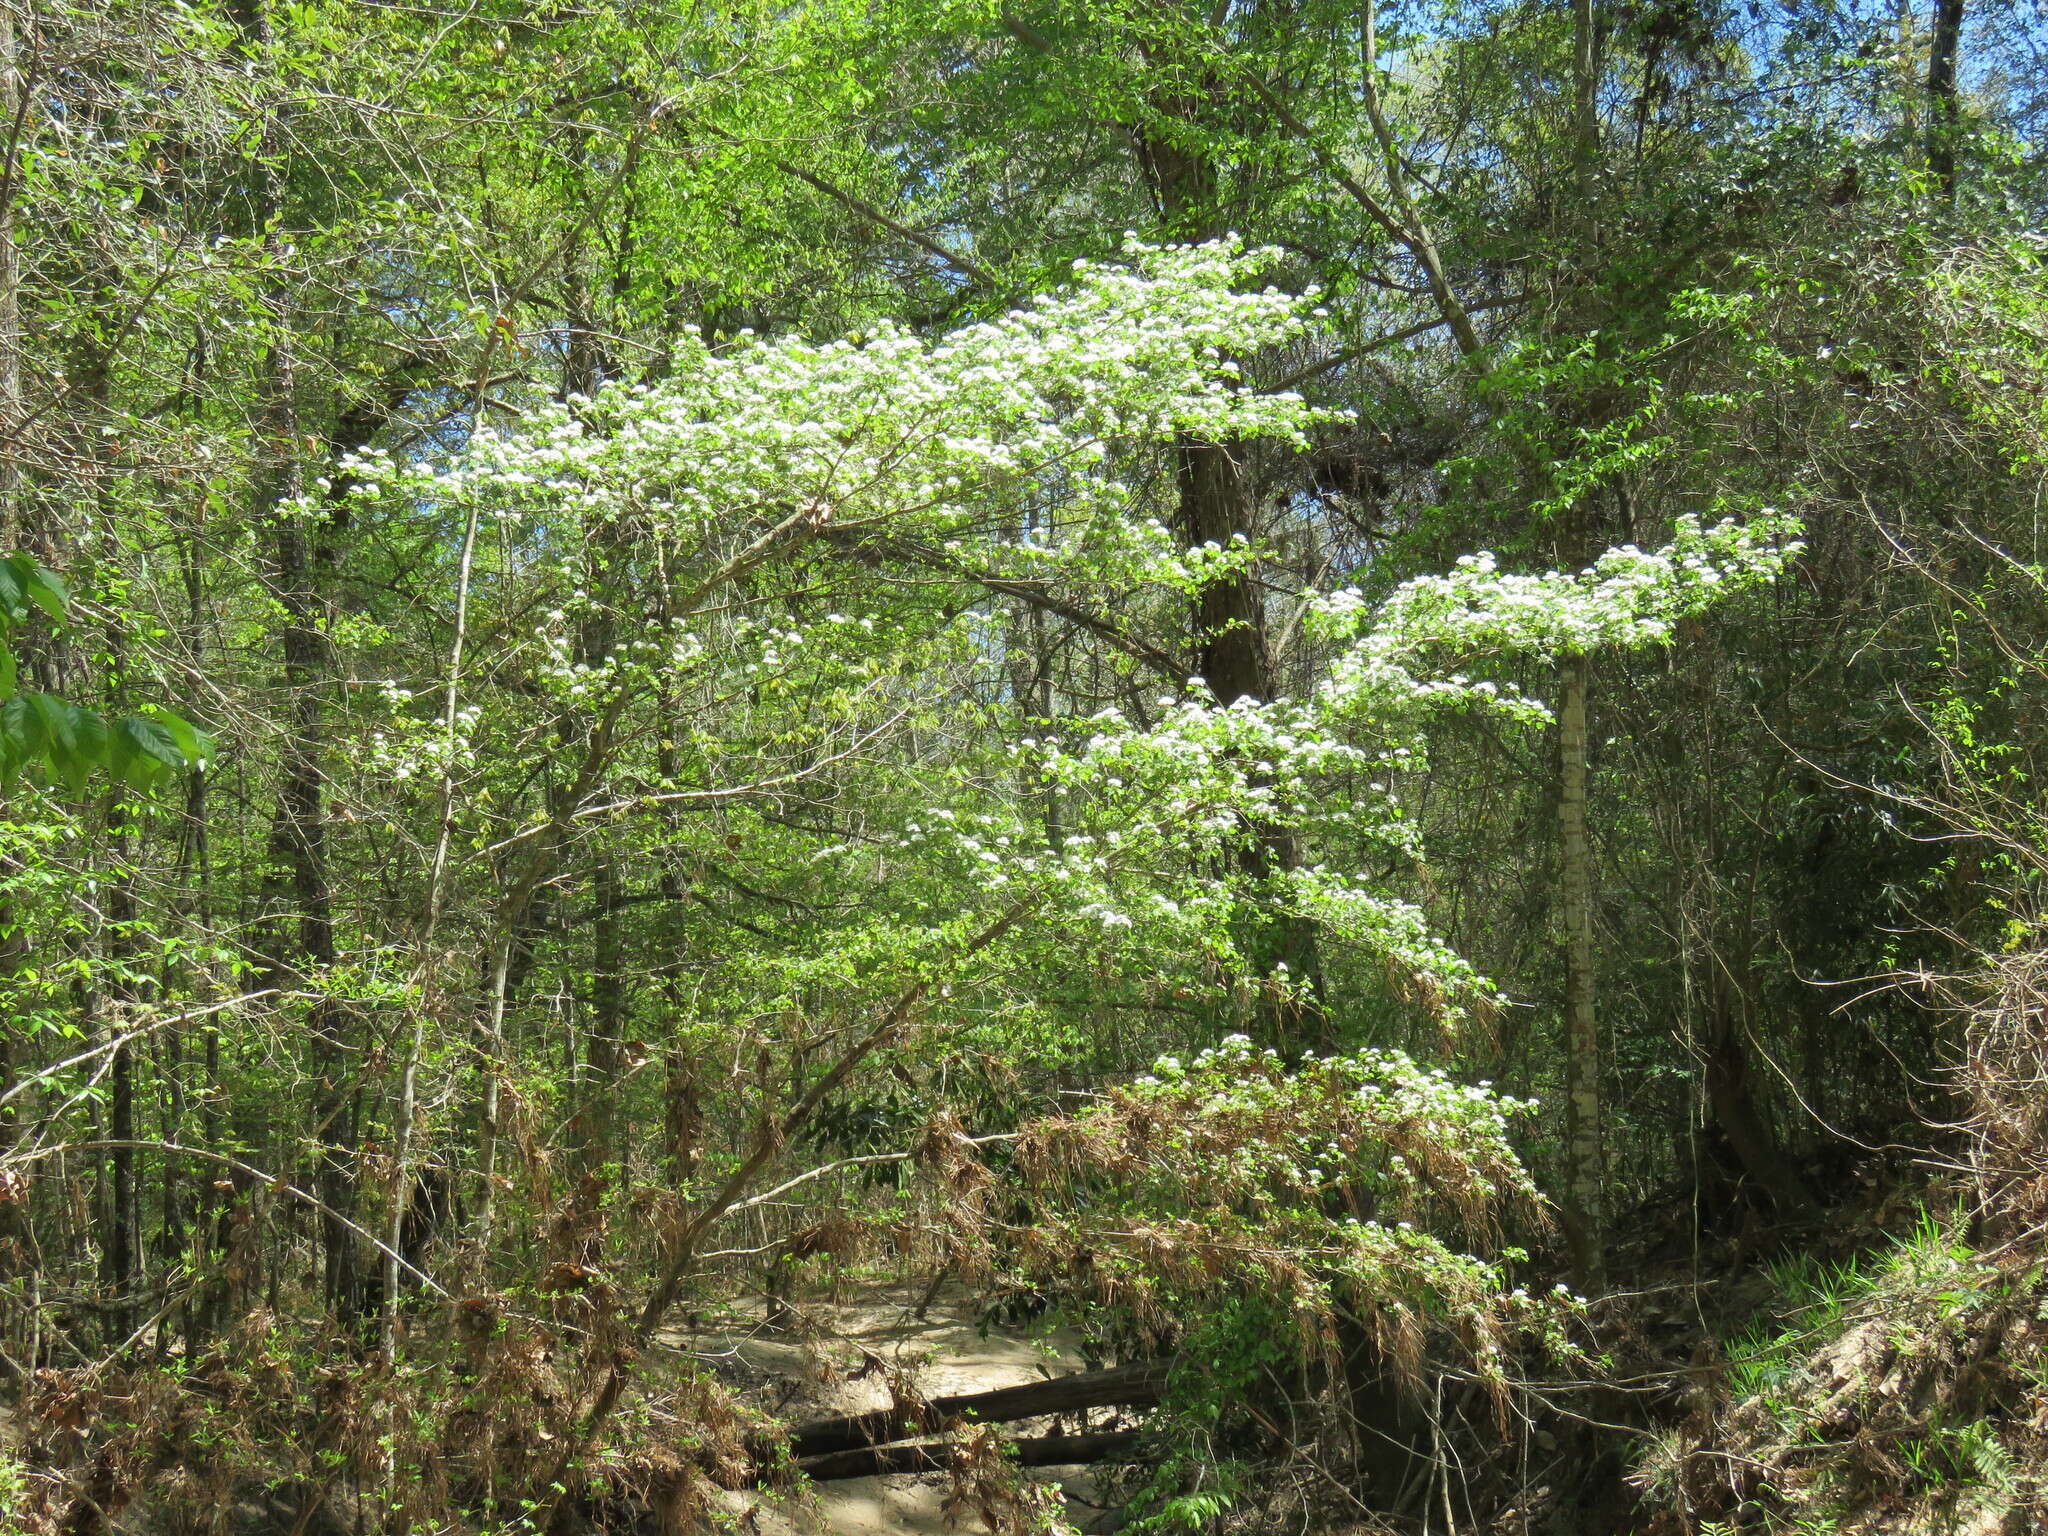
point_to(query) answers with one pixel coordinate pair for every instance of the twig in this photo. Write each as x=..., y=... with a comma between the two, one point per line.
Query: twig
x=270, y=1180
x=868, y=1160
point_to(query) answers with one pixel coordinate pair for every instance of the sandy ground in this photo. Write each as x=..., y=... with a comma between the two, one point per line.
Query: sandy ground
x=838, y=1359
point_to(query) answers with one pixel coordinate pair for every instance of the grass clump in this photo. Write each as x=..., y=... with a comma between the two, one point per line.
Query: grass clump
x=1898, y=1390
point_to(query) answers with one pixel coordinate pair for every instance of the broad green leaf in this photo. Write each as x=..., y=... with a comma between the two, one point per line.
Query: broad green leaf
x=21, y=736
x=150, y=741
x=45, y=588
x=194, y=747
x=60, y=725
x=89, y=749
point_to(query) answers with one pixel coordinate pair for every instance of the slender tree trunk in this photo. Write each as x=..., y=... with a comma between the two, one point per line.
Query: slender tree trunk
x=203, y=1205
x=1734, y=1108
x=124, y=1237
x=1945, y=110
x=585, y=367
x=1723, y=960
x=1585, y=1124
x=304, y=948
x=14, y=958
x=10, y=287
x=488, y=1134
x=13, y=941
x=124, y=1254
x=1585, y=108
x=299, y=842
x=90, y=383
x=682, y=1102
x=604, y=1042
x=1585, y=1172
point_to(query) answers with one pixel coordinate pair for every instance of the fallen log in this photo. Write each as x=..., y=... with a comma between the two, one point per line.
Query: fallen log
x=1033, y=1451
x=1134, y=1385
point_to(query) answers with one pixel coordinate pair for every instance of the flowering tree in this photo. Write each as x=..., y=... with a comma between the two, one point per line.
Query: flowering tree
x=745, y=624
x=719, y=746
x=763, y=584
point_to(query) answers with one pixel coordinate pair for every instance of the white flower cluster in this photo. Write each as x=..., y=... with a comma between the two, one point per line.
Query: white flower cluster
x=1396, y=931
x=1625, y=599
x=409, y=748
x=888, y=424
x=1147, y=805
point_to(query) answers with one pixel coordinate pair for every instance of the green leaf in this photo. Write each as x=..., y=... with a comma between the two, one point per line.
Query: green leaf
x=60, y=725
x=142, y=748
x=89, y=748
x=45, y=588
x=21, y=737
x=194, y=745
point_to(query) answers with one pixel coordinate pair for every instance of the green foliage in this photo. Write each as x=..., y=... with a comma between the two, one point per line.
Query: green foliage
x=1194, y=1480
x=13, y=1484
x=1818, y=1298
x=44, y=731
x=715, y=685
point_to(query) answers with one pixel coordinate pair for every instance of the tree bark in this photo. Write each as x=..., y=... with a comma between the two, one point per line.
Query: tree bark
x=585, y=366
x=595, y=1131
x=10, y=289
x=303, y=946
x=1585, y=1162
x=1733, y=1102
x=1218, y=504
x=124, y=1254
x=1584, y=1226
x=1034, y=1451
x=1945, y=107
x=1135, y=1385
x=603, y=1039
x=1717, y=946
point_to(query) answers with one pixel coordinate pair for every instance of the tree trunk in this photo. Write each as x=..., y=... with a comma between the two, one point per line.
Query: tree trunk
x=299, y=839
x=585, y=366
x=1134, y=1385
x=10, y=292
x=124, y=1254
x=1584, y=1226
x=1719, y=964
x=603, y=1046
x=1733, y=1103
x=1945, y=112
x=1218, y=504
x=124, y=1236
x=299, y=948
x=1033, y=1451
x=1585, y=1163
x=14, y=948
